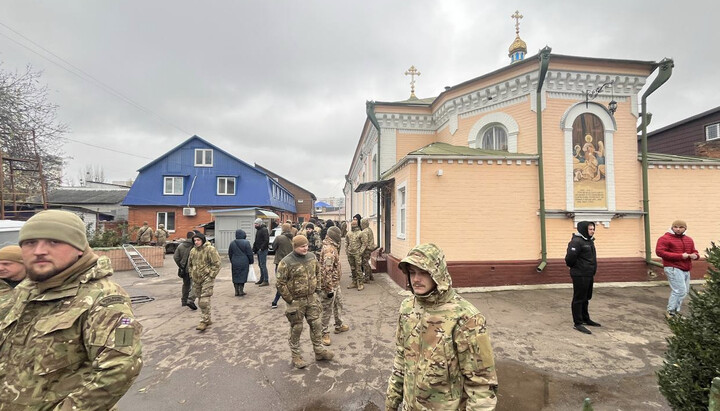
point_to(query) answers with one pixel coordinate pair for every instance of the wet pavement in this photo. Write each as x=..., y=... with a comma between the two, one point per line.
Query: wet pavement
x=242, y=362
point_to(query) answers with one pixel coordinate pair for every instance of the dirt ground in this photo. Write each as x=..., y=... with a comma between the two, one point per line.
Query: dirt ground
x=243, y=362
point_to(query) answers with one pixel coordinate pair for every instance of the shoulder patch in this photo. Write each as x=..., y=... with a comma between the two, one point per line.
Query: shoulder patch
x=112, y=300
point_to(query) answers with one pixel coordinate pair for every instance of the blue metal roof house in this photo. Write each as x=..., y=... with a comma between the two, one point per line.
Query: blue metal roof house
x=180, y=187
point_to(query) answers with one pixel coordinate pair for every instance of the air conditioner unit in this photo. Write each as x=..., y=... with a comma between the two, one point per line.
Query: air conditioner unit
x=189, y=211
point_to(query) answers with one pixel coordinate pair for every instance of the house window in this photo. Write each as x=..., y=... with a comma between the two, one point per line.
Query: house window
x=401, y=212
x=712, y=131
x=494, y=138
x=203, y=157
x=168, y=219
x=173, y=186
x=226, y=186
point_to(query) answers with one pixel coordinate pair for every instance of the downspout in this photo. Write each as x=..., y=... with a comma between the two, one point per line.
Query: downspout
x=347, y=180
x=370, y=108
x=417, y=202
x=666, y=66
x=544, y=63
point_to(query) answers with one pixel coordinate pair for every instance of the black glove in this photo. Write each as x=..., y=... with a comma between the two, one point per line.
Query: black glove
x=330, y=294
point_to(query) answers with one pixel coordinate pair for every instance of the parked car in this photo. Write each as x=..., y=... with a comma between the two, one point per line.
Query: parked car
x=274, y=233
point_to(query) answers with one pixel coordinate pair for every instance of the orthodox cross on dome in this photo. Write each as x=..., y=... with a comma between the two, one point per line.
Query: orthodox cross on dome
x=517, y=16
x=412, y=72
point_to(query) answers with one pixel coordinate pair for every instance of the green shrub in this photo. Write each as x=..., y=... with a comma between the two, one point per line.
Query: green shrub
x=108, y=238
x=692, y=359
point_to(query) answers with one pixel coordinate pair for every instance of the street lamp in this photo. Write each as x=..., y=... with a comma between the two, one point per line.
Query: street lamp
x=591, y=94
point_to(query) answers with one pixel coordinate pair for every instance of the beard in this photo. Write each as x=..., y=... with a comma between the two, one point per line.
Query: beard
x=46, y=272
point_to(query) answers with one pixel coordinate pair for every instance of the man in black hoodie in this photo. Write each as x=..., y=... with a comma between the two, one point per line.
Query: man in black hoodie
x=582, y=260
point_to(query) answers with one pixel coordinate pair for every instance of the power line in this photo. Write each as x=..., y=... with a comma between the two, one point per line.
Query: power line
x=86, y=76
x=105, y=148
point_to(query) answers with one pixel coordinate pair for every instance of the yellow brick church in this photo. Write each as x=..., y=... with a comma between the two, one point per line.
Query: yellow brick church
x=498, y=170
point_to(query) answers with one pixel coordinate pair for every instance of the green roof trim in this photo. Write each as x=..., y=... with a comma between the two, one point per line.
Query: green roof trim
x=673, y=159
x=444, y=149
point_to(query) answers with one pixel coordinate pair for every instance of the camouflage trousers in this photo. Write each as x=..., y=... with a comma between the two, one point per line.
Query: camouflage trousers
x=330, y=306
x=355, y=261
x=310, y=310
x=203, y=288
x=366, y=269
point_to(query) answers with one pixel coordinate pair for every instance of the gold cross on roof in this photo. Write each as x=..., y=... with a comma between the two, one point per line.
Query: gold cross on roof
x=412, y=72
x=517, y=16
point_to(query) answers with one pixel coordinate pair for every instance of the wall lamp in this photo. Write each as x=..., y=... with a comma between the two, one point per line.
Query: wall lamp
x=439, y=172
x=591, y=94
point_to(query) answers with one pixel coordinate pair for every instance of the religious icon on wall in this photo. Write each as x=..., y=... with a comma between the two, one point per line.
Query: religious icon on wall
x=590, y=190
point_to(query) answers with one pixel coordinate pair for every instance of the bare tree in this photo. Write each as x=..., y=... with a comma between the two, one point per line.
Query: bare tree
x=28, y=128
x=93, y=172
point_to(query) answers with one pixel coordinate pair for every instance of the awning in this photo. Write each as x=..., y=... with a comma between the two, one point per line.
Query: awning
x=267, y=213
x=373, y=185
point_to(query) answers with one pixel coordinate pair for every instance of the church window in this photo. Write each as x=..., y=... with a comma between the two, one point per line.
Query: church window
x=494, y=138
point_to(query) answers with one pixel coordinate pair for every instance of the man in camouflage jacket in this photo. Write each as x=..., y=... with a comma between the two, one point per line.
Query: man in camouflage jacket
x=161, y=235
x=12, y=271
x=298, y=281
x=145, y=234
x=70, y=340
x=203, y=266
x=355, y=249
x=314, y=242
x=443, y=357
x=181, y=256
x=330, y=272
x=368, y=238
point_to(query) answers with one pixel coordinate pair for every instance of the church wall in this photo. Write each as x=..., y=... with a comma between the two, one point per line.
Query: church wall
x=628, y=170
x=407, y=176
x=689, y=193
x=520, y=112
x=408, y=142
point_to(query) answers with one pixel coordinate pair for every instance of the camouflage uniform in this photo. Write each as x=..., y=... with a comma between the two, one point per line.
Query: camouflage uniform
x=369, y=246
x=443, y=357
x=203, y=266
x=161, y=235
x=145, y=235
x=355, y=248
x=314, y=243
x=330, y=272
x=298, y=281
x=70, y=342
x=5, y=291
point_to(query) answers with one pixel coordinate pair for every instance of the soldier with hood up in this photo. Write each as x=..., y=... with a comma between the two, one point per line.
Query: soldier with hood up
x=443, y=358
x=203, y=265
x=582, y=260
x=330, y=272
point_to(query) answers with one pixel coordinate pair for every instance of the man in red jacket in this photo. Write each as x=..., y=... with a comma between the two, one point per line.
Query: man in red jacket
x=677, y=251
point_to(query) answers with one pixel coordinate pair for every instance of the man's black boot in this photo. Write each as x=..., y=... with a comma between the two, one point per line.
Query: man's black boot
x=582, y=329
x=591, y=323
x=191, y=305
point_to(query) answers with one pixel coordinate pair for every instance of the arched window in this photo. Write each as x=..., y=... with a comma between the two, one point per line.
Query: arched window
x=494, y=138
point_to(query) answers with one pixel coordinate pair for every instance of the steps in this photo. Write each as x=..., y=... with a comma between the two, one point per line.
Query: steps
x=143, y=268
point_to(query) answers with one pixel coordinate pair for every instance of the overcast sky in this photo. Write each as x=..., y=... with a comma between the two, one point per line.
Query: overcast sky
x=284, y=83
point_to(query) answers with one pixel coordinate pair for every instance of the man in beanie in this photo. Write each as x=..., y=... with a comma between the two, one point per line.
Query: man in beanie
x=12, y=270
x=70, y=340
x=298, y=281
x=443, y=356
x=161, y=235
x=355, y=249
x=182, y=253
x=203, y=266
x=313, y=237
x=582, y=260
x=261, y=247
x=330, y=273
x=282, y=246
x=368, y=238
x=677, y=251
x=145, y=234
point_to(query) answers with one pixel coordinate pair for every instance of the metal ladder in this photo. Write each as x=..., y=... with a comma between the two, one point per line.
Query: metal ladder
x=143, y=268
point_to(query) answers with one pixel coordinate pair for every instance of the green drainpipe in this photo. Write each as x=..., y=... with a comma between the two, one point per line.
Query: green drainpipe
x=544, y=63
x=666, y=66
x=370, y=108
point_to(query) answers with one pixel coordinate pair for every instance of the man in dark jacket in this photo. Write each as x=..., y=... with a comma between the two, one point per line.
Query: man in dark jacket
x=677, y=251
x=182, y=252
x=582, y=260
x=261, y=247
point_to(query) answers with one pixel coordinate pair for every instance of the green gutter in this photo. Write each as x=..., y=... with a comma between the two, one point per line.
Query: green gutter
x=370, y=109
x=544, y=57
x=666, y=66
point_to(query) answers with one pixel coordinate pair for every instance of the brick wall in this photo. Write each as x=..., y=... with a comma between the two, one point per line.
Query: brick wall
x=120, y=261
x=708, y=149
x=183, y=224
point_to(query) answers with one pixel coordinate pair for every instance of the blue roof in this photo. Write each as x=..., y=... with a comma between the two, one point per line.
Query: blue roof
x=322, y=204
x=194, y=185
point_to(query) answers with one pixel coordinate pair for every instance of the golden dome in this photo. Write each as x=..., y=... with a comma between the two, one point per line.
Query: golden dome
x=517, y=45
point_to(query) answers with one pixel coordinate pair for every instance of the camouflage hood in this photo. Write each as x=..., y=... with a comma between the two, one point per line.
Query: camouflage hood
x=430, y=258
x=364, y=223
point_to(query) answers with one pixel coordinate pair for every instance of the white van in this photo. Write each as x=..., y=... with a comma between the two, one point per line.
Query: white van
x=9, y=232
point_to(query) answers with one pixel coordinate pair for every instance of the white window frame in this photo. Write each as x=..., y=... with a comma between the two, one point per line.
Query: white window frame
x=174, y=180
x=203, y=157
x=495, y=146
x=401, y=196
x=164, y=220
x=222, y=186
x=709, y=128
